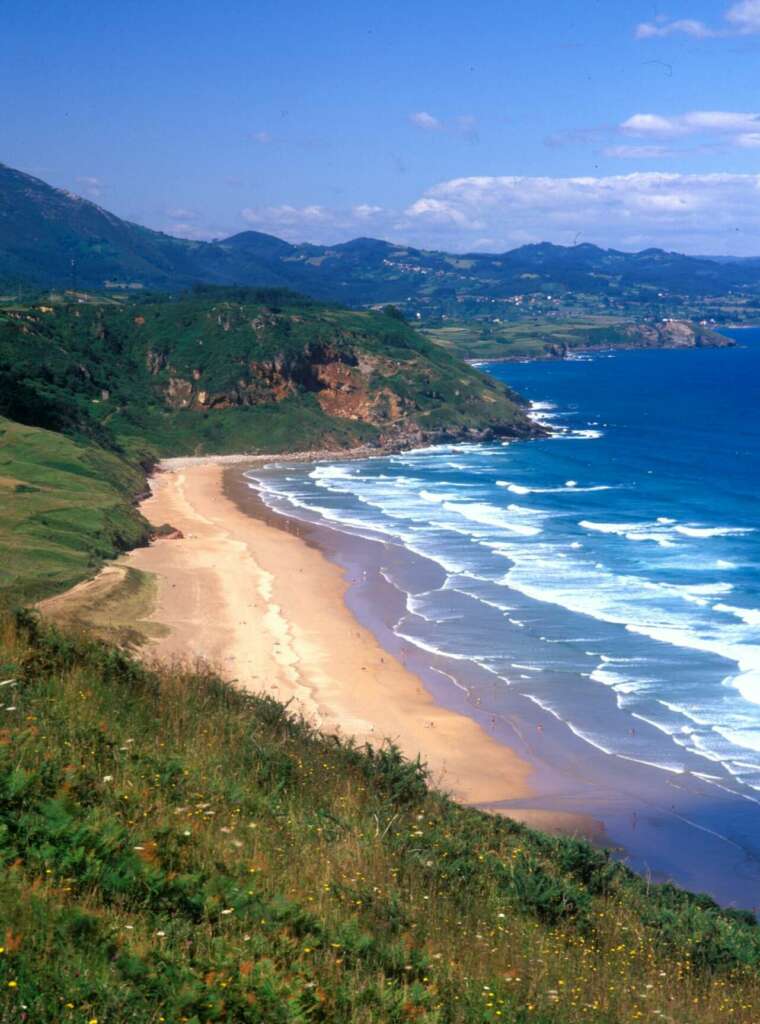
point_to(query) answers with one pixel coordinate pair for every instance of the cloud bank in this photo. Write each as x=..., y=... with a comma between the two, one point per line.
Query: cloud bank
x=740, y=19
x=735, y=128
x=697, y=213
x=692, y=212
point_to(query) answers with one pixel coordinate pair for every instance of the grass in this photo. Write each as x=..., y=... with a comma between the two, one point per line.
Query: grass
x=174, y=850
x=294, y=424
x=66, y=508
x=115, y=606
x=527, y=339
x=537, y=338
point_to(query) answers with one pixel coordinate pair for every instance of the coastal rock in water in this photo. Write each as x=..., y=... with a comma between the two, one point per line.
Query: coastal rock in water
x=674, y=334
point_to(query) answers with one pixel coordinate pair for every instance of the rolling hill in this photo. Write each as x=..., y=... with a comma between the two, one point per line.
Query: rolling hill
x=52, y=238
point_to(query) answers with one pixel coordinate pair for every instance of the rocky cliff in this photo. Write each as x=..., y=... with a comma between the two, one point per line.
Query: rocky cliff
x=254, y=371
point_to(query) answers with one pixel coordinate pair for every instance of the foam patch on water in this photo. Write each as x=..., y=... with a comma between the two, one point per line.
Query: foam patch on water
x=489, y=515
x=636, y=532
x=749, y=615
x=571, y=487
x=713, y=531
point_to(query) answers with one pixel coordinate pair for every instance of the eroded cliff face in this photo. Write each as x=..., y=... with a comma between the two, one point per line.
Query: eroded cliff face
x=676, y=334
x=344, y=384
x=347, y=384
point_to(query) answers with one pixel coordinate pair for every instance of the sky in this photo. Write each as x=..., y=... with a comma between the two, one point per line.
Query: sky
x=466, y=127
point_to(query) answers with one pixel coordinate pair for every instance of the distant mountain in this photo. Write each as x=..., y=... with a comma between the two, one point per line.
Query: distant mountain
x=51, y=238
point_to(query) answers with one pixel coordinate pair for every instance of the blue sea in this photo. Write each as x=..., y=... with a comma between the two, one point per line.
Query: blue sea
x=604, y=582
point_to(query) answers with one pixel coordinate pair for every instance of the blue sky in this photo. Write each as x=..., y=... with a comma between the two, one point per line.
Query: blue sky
x=477, y=126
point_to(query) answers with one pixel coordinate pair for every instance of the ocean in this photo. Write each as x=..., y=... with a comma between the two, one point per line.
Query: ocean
x=593, y=598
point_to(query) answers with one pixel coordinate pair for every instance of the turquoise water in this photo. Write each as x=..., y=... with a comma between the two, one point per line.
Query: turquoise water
x=608, y=575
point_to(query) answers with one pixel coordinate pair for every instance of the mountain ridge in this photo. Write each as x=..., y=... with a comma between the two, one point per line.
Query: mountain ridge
x=50, y=237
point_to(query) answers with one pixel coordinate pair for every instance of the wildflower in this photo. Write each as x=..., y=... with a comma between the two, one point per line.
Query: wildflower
x=108, y=778
x=187, y=832
x=228, y=910
x=161, y=934
x=12, y=984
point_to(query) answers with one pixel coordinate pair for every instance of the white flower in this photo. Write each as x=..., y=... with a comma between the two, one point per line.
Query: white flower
x=108, y=778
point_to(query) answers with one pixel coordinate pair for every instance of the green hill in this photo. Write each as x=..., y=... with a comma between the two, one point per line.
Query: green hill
x=91, y=393
x=241, y=371
x=51, y=238
x=66, y=507
x=174, y=850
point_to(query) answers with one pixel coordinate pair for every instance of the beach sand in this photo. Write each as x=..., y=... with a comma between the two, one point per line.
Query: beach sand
x=268, y=611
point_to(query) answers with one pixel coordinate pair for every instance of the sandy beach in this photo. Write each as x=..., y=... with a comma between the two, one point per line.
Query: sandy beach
x=268, y=611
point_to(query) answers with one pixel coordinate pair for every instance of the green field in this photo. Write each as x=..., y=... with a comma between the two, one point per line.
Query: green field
x=67, y=506
x=173, y=850
x=538, y=338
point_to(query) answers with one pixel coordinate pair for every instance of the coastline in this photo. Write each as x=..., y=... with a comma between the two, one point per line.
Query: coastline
x=267, y=609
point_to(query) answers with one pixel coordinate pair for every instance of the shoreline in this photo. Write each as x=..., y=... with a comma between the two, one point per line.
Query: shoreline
x=231, y=593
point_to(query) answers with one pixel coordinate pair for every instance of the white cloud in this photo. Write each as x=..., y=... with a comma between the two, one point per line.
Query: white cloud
x=736, y=128
x=180, y=213
x=686, y=212
x=422, y=119
x=652, y=124
x=635, y=152
x=662, y=27
x=193, y=232
x=464, y=125
x=745, y=16
x=692, y=212
x=91, y=187
x=740, y=19
x=264, y=138
x=317, y=223
x=285, y=215
x=364, y=211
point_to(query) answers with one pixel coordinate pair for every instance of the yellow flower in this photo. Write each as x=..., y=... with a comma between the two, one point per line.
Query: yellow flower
x=12, y=984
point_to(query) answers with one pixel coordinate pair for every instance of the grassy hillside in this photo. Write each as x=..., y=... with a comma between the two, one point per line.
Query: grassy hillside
x=240, y=370
x=66, y=507
x=549, y=337
x=174, y=850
